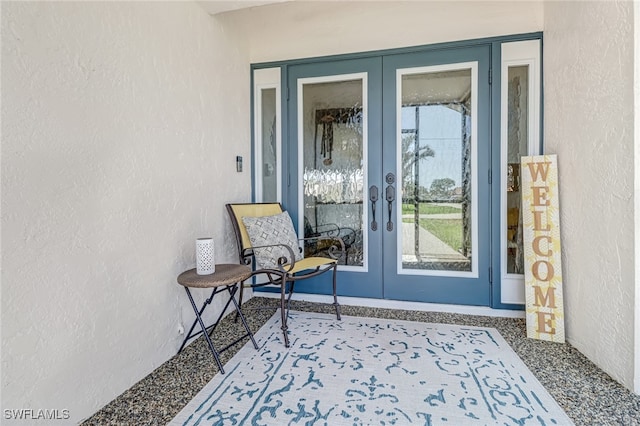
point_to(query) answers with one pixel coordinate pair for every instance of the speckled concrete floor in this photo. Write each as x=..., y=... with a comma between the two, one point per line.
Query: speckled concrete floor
x=587, y=394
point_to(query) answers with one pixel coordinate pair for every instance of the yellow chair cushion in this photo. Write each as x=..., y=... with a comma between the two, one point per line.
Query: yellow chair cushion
x=310, y=263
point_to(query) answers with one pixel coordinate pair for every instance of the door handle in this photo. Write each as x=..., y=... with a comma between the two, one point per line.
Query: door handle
x=373, y=197
x=390, y=195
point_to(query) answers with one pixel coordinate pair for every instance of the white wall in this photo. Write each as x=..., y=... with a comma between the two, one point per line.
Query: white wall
x=308, y=29
x=636, y=129
x=589, y=123
x=120, y=126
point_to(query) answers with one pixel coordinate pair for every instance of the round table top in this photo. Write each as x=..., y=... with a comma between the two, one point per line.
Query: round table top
x=225, y=274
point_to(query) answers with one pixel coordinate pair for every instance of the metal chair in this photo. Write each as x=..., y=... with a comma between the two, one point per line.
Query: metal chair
x=321, y=248
x=287, y=270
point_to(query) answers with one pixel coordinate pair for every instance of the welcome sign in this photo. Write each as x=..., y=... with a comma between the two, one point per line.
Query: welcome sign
x=543, y=266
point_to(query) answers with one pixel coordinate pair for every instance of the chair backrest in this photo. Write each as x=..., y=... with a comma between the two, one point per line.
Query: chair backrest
x=238, y=211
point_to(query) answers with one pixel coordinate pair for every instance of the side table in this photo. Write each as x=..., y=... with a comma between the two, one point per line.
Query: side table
x=226, y=277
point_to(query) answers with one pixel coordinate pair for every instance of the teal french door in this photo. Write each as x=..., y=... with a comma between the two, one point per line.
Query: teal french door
x=436, y=140
x=393, y=154
x=335, y=141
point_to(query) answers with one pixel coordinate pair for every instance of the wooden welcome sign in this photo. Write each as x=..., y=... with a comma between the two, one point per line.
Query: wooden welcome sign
x=543, y=266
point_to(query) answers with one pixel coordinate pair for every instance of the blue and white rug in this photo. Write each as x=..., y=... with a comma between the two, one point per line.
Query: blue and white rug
x=366, y=371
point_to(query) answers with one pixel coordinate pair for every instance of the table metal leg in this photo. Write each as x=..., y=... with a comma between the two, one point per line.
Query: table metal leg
x=204, y=329
x=232, y=289
x=232, y=292
x=199, y=314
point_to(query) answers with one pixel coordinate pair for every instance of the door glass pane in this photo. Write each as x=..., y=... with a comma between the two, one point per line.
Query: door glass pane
x=517, y=137
x=333, y=176
x=269, y=158
x=436, y=162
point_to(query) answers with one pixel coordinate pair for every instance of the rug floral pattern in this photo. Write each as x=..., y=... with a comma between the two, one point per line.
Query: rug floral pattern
x=365, y=371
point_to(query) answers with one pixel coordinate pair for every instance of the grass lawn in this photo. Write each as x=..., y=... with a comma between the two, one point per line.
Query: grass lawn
x=429, y=208
x=447, y=230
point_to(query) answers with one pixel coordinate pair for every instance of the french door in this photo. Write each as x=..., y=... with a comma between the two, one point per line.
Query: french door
x=392, y=153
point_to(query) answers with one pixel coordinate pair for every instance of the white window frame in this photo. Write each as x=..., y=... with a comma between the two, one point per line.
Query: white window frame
x=363, y=76
x=267, y=78
x=473, y=66
x=517, y=53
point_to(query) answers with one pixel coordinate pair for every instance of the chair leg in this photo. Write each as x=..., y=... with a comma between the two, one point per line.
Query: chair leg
x=283, y=312
x=335, y=295
x=291, y=289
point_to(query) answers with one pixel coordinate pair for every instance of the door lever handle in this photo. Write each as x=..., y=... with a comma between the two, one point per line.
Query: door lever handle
x=390, y=196
x=373, y=197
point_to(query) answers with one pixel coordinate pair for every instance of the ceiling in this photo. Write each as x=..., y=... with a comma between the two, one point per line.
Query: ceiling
x=219, y=6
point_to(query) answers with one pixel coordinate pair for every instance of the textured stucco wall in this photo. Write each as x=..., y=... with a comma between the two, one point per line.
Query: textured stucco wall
x=308, y=29
x=120, y=126
x=636, y=131
x=588, y=77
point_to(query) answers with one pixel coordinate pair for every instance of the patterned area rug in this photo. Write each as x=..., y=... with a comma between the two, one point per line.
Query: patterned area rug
x=366, y=371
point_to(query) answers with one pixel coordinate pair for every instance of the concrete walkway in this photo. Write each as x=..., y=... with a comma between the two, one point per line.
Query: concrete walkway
x=431, y=248
x=434, y=216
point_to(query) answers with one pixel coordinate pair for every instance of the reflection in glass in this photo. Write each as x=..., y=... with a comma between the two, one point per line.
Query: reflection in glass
x=517, y=137
x=269, y=158
x=436, y=171
x=333, y=175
